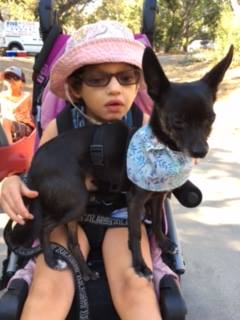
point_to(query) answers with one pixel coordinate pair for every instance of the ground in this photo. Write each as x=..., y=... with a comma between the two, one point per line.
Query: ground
x=177, y=67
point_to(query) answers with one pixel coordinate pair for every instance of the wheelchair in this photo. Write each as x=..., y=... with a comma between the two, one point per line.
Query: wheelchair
x=171, y=301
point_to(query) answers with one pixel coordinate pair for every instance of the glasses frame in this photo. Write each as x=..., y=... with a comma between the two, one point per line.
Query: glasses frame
x=85, y=77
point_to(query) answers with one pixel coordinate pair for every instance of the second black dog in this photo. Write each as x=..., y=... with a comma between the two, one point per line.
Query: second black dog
x=182, y=120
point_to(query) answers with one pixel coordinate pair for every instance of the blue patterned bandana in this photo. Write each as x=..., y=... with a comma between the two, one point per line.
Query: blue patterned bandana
x=153, y=166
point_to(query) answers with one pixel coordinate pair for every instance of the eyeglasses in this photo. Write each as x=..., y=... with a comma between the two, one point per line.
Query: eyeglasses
x=102, y=79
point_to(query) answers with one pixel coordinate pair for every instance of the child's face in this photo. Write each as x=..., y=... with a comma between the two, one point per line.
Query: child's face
x=14, y=82
x=112, y=101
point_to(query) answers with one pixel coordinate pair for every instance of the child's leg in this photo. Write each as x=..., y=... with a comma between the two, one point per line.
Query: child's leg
x=133, y=296
x=51, y=293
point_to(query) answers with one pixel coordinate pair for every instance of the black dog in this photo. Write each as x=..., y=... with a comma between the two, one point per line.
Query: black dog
x=182, y=119
x=58, y=172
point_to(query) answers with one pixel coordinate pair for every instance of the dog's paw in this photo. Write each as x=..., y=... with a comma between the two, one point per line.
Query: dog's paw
x=60, y=265
x=143, y=271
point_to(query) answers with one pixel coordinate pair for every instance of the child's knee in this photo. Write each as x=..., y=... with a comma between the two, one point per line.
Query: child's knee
x=134, y=288
x=49, y=294
x=48, y=282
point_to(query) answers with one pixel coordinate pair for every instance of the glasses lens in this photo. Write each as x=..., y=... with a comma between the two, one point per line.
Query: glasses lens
x=96, y=79
x=102, y=79
x=128, y=77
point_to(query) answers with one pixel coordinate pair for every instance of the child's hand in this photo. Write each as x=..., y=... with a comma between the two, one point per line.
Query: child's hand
x=12, y=192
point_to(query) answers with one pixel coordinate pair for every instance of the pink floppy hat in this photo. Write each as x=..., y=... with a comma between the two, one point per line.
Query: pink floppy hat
x=101, y=42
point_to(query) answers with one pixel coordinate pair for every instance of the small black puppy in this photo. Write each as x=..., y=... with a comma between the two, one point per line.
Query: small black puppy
x=182, y=119
x=58, y=172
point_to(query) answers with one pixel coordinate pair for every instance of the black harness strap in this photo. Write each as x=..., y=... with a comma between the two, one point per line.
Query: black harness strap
x=103, y=220
x=81, y=293
x=59, y=253
x=137, y=117
x=103, y=207
x=101, y=164
x=64, y=120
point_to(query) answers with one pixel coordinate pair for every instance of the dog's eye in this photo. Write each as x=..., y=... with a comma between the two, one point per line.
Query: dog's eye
x=178, y=123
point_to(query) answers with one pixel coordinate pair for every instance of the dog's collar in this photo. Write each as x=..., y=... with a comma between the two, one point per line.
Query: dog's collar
x=153, y=166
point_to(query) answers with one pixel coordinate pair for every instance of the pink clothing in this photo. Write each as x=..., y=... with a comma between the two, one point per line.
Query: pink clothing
x=26, y=273
x=160, y=269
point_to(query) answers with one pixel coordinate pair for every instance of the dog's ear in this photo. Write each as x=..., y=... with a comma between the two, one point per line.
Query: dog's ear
x=155, y=78
x=215, y=76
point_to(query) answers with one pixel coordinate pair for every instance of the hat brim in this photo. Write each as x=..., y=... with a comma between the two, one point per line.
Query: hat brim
x=6, y=73
x=95, y=52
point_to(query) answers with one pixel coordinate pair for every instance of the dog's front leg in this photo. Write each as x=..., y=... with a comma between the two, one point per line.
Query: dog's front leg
x=51, y=260
x=74, y=247
x=137, y=198
x=157, y=213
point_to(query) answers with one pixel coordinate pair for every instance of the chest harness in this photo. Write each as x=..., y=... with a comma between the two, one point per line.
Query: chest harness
x=112, y=193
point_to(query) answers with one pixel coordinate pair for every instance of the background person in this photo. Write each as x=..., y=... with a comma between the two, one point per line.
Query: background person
x=16, y=105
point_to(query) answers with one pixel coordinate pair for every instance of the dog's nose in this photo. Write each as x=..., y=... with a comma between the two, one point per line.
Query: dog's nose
x=198, y=151
x=199, y=154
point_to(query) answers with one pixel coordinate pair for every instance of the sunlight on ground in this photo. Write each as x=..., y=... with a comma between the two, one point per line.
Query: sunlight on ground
x=216, y=216
x=234, y=245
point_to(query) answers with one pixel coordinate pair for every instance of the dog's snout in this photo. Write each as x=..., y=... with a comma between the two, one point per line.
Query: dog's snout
x=199, y=154
x=199, y=151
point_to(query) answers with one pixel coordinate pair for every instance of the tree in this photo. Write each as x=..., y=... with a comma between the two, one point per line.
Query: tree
x=228, y=29
x=68, y=11
x=128, y=12
x=181, y=21
x=27, y=9
x=18, y=9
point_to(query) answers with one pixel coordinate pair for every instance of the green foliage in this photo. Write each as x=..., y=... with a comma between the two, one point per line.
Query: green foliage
x=18, y=9
x=70, y=12
x=128, y=12
x=181, y=21
x=228, y=32
x=178, y=22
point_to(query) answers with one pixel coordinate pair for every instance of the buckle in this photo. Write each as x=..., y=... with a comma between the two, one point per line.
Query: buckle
x=96, y=154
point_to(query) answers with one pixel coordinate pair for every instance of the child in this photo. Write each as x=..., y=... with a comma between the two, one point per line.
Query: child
x=99, y=74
